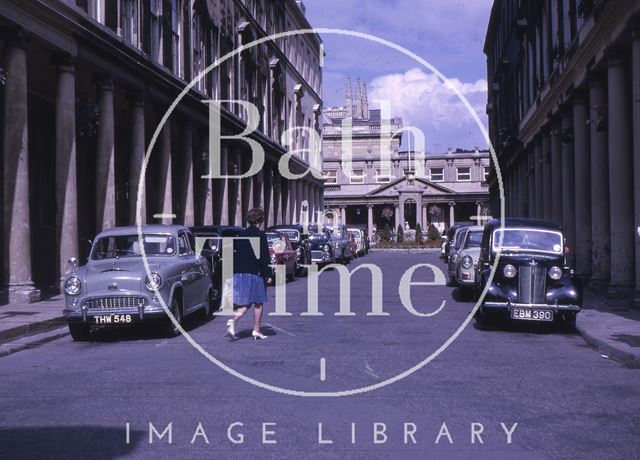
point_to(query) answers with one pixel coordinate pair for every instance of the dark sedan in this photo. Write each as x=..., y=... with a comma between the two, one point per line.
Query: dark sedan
x=299, y=238
x=532, y=281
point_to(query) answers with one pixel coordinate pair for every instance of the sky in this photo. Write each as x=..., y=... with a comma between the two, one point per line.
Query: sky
x=448, y=34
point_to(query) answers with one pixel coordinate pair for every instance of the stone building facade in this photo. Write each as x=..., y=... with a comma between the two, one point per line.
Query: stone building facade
x=564, y=117
x=388, y=186
x=84, y=85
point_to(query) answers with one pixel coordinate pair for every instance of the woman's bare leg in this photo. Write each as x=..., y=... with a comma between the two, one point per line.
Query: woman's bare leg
x=257, y=316
x=239, y=312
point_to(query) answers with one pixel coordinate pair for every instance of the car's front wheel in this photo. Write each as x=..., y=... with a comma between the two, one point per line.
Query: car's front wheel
x=79, y=332
x=176, y=310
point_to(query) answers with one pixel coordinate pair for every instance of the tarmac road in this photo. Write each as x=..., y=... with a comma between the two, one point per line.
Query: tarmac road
x=74, y=400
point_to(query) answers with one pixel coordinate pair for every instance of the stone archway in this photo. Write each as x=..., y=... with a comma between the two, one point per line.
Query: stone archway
x=410, y=213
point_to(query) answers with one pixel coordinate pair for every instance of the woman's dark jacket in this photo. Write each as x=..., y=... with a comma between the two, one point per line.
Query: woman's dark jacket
x=245, y=260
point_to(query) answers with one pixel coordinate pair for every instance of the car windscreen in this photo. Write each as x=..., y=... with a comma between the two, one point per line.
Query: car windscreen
x=459, y=238
x=473, y=239
x=527, y=239
x=292, y=234
x=109, y=247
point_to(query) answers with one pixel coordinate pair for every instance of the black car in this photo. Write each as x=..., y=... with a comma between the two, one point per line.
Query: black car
x=299, y=239
x=212, y=250
x=321, y=249
x=532, y=281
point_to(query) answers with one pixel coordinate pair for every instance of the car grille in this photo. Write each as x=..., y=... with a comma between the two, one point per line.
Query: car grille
x=532, y=285
x=114, y=302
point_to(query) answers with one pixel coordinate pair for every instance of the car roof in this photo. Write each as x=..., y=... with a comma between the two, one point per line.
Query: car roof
x=133, y=229
x=286, y=227
x=205, y=229
x=512, y=222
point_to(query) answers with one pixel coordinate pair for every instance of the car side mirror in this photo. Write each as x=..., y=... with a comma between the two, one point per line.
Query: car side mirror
x=73, y=262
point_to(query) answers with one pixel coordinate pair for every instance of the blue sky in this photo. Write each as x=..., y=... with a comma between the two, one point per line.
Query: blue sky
x=449, y=34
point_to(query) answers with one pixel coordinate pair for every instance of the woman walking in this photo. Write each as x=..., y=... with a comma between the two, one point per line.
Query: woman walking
x=251, y=275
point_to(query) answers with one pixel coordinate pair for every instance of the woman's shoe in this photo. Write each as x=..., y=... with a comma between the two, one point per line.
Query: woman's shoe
x=231, y=326
x=258, y=335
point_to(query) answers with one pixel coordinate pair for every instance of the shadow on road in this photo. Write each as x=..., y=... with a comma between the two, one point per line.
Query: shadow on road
x=147, y=331
x=67, y=442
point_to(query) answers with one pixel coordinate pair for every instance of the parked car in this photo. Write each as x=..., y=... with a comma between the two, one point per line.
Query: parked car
x=532, y=281
x=353, y=244
x=113, y=288
x=361, y=240
x=366, y=239
x=320, y=246
x=454, y=247
x=211, y=250
x=299, y=238
x=449, y=237
x=467, y=257
x=282, y=253
x=340, y=242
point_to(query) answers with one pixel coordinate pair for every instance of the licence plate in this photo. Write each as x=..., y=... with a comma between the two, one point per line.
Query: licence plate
x=531, y=314
x=112, y=319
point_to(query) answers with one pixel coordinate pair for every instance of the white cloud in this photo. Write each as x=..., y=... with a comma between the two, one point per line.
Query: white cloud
x=425, y=101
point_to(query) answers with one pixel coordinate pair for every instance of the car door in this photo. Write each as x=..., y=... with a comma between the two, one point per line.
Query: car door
x=190, y=272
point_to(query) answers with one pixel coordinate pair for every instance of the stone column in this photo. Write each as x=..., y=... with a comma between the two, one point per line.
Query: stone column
x=268, y=194
x=299, y=200
x=556, y=175
x=425, y=222
x=600, y=237
x=396, y=215
x=621, y=189
x=258, y=199
x=284, y=194
x=105, y=162
x=277, y=197
x=539, y=197
x=546, y=176
x=418, y=211
x=370, y=220
x=452, y=215
x=237, y=197
x=568, y=213
x=531, y=182
x=582, y=161
x=293, y=193
x=343, y=215
x=186, y=184
x=636, y=145
x=137, y=159
x=165, y=190
x=17, y=235
x=66, y=166
x=478, y=213
x=401, y=217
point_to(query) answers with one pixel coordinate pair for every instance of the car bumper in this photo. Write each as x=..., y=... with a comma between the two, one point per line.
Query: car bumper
x=321, y=257
x=507, y=306
x=99, y=316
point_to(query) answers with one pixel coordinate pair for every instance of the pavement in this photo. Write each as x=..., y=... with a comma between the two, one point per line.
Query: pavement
x=610, y=325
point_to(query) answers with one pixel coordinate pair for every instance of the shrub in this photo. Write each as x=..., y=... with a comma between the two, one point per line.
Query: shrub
x=418, y=234
x=433, y=233
x=385, y=234
x=400, y=234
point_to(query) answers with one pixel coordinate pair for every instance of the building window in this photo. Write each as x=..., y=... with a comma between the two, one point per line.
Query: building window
x=330, y=177
x=96, y=10
x=357, y=177
x=155, y=29
x=129, y=22
x=487, y=169
x=437, y=174
x=383, y=176
x=463, y=174
x=176, y=32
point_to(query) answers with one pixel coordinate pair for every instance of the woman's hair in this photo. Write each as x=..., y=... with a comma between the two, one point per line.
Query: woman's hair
x=255, y=216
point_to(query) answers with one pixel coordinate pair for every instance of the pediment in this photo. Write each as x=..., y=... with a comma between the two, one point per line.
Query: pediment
x=420, y=185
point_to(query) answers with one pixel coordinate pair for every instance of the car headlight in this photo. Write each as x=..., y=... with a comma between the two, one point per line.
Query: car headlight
x=153, y=282
x=555, y=273
x=273, y=258
x=73, y=285
x=326, y=248
x=509, y=271
x=466, y=262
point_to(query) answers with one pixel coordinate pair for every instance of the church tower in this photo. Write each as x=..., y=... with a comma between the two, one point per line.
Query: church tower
x=349, y=99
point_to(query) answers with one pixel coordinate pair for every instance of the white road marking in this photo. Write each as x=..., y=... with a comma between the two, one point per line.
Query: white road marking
x=323, y=369
x=369, y=371
x=279, y=329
